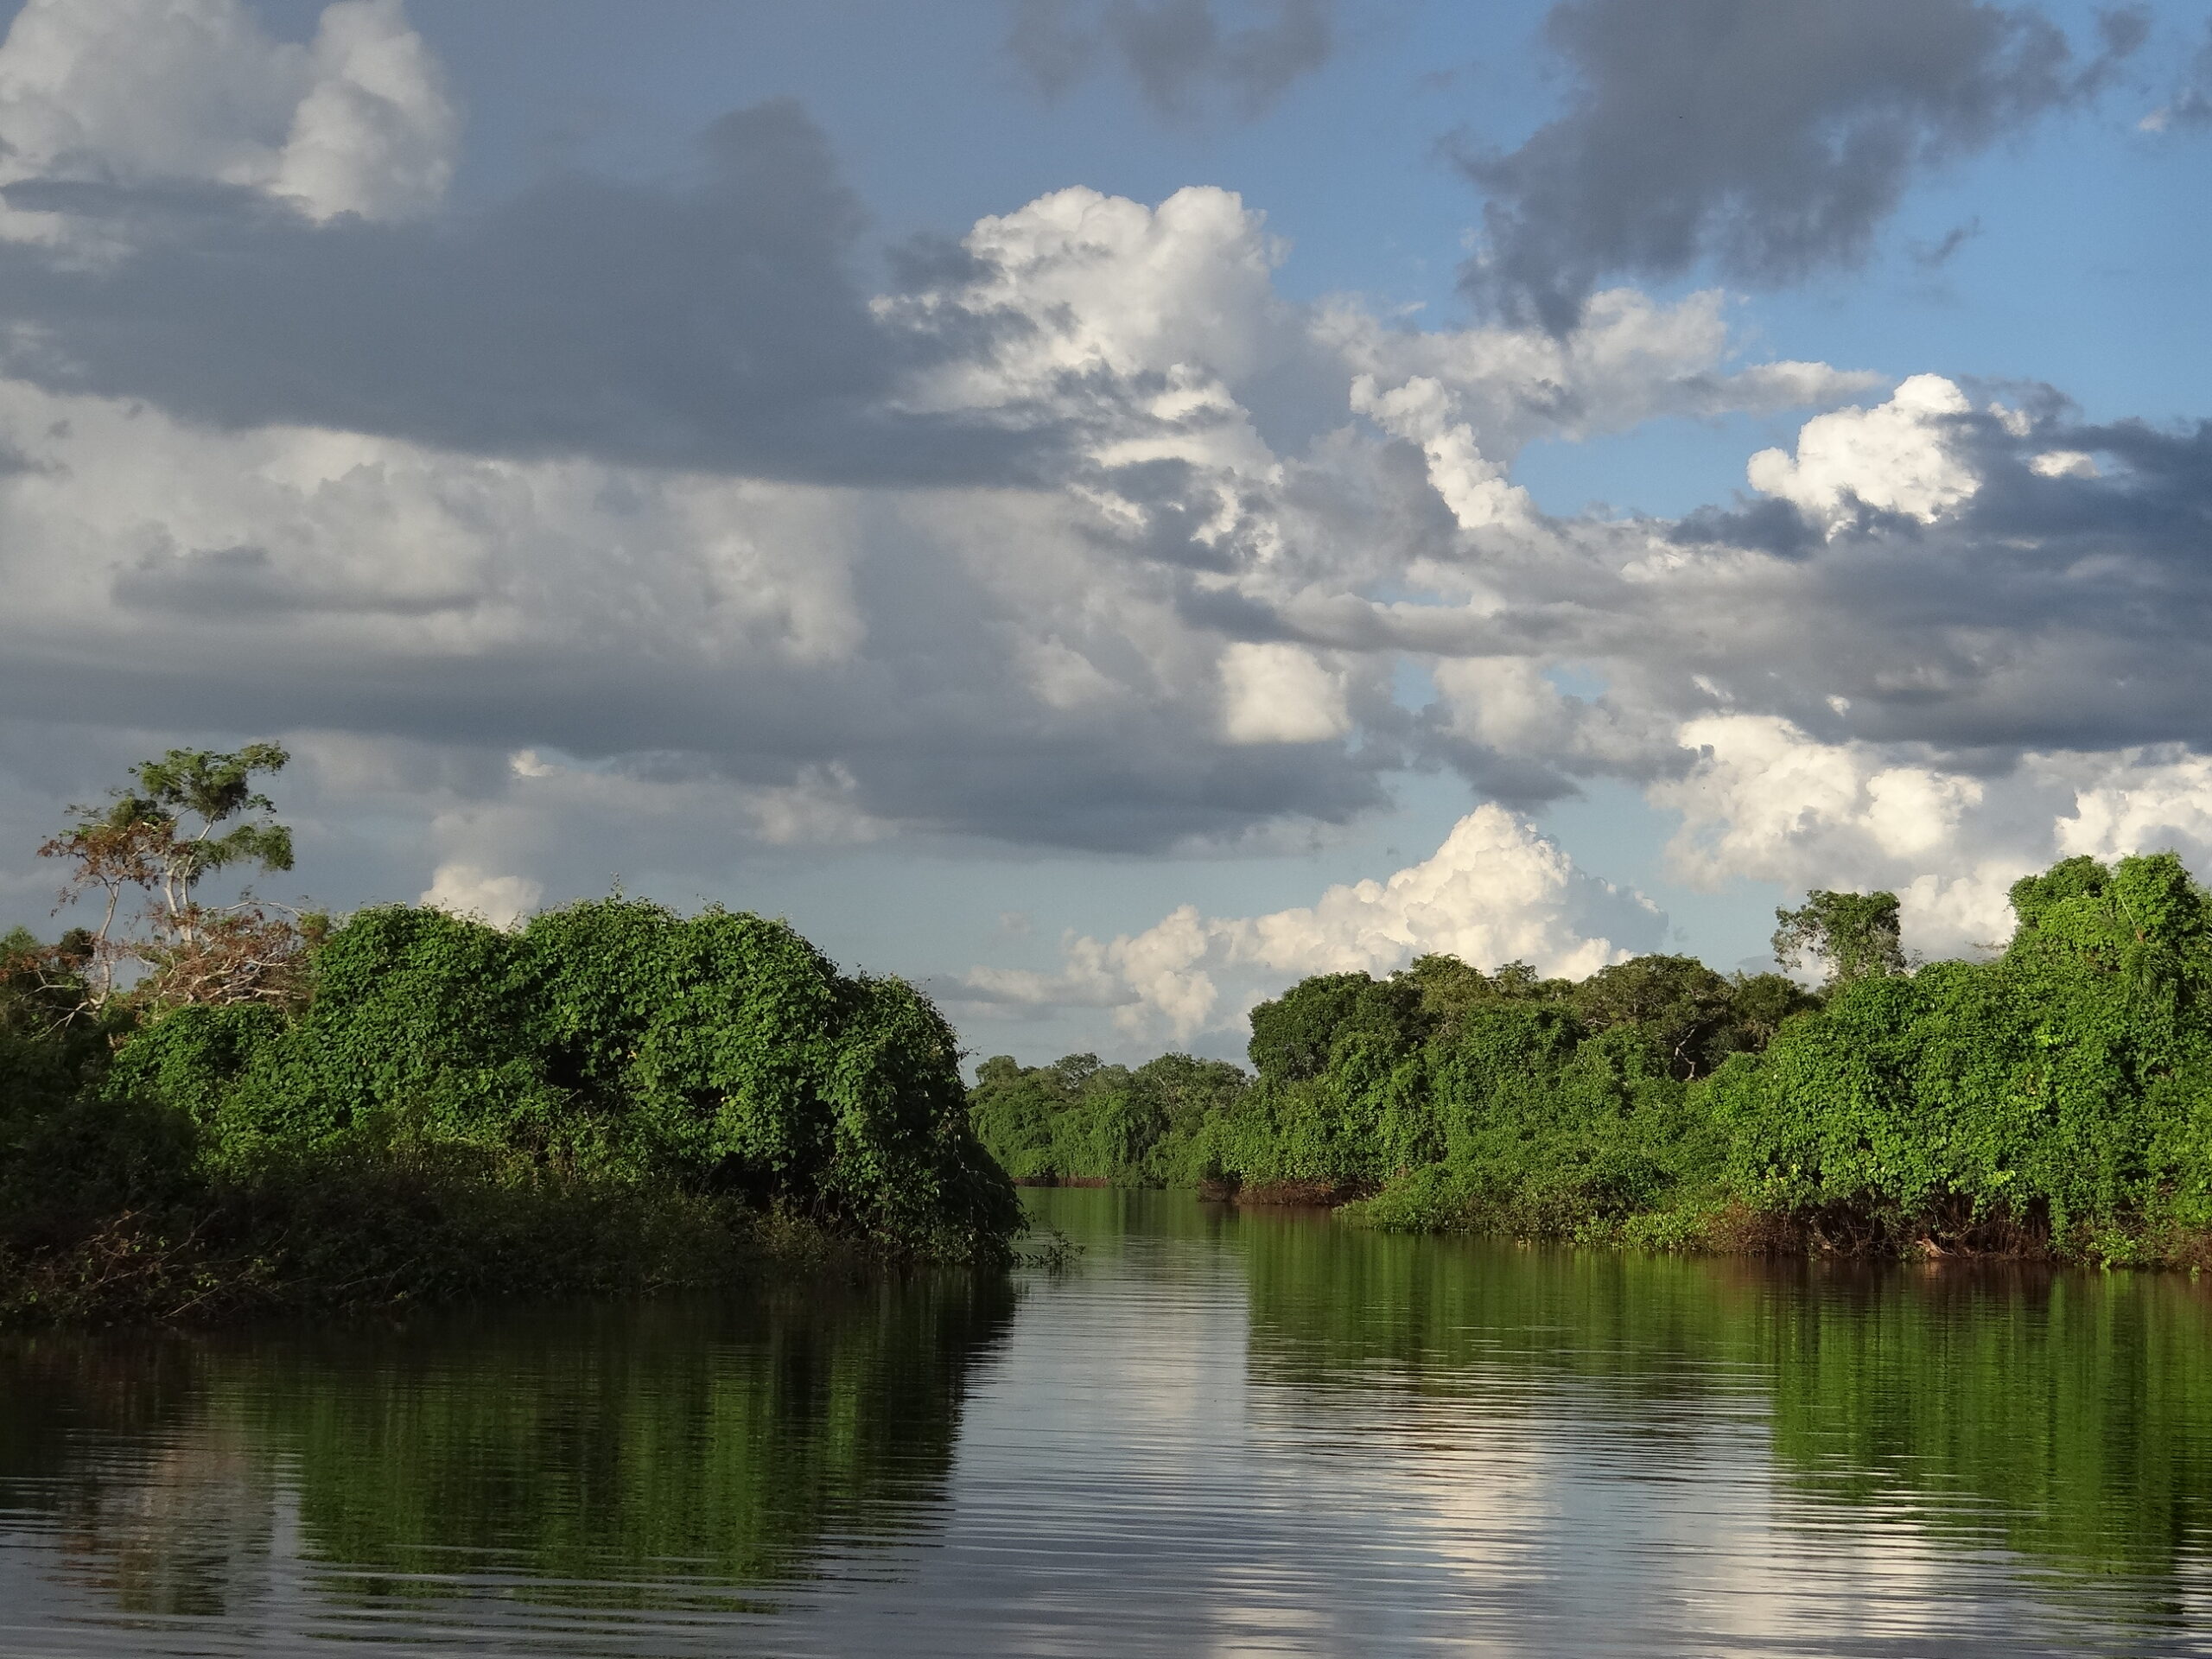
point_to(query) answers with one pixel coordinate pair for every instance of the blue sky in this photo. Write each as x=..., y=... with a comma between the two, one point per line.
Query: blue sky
x=1068, y=601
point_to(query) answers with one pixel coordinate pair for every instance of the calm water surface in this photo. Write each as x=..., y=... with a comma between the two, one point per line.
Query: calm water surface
x=1218, y=1434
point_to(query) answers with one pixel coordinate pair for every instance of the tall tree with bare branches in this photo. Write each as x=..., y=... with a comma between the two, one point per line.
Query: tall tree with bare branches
x=184, y=816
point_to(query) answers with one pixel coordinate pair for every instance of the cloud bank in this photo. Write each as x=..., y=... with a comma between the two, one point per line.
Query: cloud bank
x=141, y=92
x=626, y=523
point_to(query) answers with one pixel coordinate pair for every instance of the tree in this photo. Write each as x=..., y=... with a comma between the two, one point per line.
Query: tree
x=160, y=839
x=213, y=789
x=1855, y=934
x=1294, y=1035
x=1682, y=1005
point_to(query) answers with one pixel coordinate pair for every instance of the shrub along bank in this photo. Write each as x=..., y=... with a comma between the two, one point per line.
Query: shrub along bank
x=613, y=1097
x=2054, y=1100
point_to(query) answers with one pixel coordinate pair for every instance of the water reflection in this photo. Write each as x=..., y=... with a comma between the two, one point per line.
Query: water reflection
x=1799, y=1448
x=2066, y=1415
x=1219, y=1434
x=680, y=1457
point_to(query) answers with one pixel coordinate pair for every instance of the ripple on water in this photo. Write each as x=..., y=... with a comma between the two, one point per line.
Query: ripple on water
x=1218, y=1433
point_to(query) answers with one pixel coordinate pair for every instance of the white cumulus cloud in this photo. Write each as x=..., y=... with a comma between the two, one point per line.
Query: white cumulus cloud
x=1473, y=486
x=1767, y=801
x=470, y=890
x=1896, y=457
x=1496, y=891
x=137, y=92
x=1276, y=693
x=377, y=131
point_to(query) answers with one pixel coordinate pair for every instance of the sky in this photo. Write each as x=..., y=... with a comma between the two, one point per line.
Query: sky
x=1107, y=507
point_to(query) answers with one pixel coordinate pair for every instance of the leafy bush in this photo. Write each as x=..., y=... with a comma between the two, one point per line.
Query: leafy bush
x=2063, y=1090
x=721, y=1054
x=614, y=1096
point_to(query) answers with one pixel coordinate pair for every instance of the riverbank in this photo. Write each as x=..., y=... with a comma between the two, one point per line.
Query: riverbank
x=613, y=1099
x=362, y=1237
x=2053, y=1103
x=1722, y=1228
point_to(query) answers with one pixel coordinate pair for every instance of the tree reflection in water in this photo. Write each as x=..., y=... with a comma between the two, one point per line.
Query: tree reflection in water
x=678, y=1454
x=2064, y=1414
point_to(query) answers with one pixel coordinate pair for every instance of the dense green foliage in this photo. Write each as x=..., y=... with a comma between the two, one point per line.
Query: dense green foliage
x=1856, y=934
x=214, y=789
x=722, y=1053
x=2064, y=1089
x=2056, y=1098
x=613, y=1095
x=1078, y=1120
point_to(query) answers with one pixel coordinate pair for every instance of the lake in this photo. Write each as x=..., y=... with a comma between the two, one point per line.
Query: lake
x=1218, y=1433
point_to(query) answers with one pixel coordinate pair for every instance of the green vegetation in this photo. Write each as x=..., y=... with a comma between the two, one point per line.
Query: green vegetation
x=209, y=1109
x=1076, y=1119
x=1855, y=935
x=2054, y=1100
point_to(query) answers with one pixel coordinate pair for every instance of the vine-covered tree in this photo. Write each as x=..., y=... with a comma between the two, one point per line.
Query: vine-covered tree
x=1855, y=934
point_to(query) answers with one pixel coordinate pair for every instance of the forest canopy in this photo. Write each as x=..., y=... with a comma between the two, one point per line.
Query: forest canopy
x=2055, y=1099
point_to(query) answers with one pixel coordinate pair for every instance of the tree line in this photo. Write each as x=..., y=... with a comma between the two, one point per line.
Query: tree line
x=2055, y=1099
x=214, y=1106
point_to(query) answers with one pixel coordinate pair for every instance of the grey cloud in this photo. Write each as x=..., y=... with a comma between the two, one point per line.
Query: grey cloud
x=1521, y=782
x=206, y=582
x=930, y=748
x=1933, y=255
x=2049, y=612
x=1770, y=526
x=932, y=723
x=1172, y=507
x=242, y=582
x=1179, y=52
x=2150, y=496
x=929, y=260
x=717, y=327
x=1138, y=793
x=1771, y=139
x=1232, y=614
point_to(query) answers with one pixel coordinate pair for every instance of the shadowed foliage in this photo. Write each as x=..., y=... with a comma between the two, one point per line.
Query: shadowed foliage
x=614, y=1096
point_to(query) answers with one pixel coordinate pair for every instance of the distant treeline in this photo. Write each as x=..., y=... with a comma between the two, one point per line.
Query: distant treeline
x=2057, y=1099
x=212, y=1109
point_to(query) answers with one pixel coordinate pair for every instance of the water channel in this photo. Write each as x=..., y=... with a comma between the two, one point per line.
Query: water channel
x=1218, y=1433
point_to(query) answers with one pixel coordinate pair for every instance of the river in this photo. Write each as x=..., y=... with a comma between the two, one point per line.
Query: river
x=1218, y=1433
